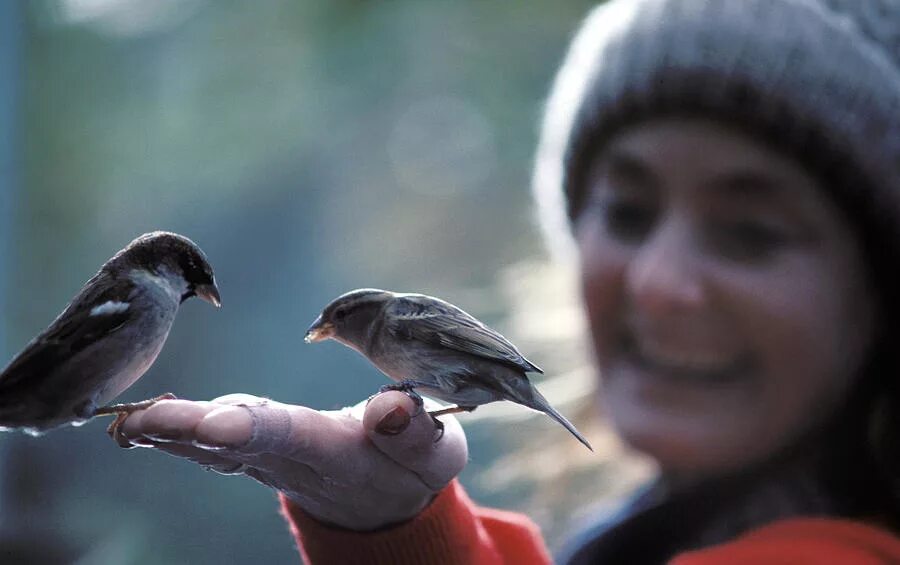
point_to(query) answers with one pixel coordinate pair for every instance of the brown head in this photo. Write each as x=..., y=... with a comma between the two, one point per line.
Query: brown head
x=347, y=317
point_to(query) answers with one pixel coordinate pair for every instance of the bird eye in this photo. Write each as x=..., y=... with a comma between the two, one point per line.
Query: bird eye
x=340, y=314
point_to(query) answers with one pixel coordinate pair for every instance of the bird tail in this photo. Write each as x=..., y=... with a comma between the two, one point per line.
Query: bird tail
x=538, y=402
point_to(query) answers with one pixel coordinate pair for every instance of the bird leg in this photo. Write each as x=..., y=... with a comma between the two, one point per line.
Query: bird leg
x=451, y=410
x=130, y=407
x=438, y=425
x=408, y=387
x=122, y=411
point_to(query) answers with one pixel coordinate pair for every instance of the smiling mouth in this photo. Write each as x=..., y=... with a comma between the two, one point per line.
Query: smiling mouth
x=680, y=364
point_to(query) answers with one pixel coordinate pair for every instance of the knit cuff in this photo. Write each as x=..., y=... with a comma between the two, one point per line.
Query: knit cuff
x=446, y=532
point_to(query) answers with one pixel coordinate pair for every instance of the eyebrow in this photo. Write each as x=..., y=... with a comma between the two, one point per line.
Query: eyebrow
x=621, y=163
x=747, y=183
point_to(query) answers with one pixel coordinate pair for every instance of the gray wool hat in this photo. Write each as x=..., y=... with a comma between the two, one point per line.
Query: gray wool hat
x=816, y=79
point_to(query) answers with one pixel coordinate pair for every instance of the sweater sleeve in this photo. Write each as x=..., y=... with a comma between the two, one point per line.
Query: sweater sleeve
x=451, y=530
x=803, y=541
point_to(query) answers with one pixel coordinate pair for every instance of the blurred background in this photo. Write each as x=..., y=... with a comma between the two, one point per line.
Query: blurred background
x=309, y=147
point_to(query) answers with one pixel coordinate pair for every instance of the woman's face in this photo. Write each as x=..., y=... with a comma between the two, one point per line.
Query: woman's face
x=727, y=295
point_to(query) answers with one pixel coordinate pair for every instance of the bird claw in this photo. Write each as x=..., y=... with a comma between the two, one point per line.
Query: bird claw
x=116, y=434
x=122, y=411
x=418, y=401
x=438, y=426
x=409, y=389
x=449, y=410
x=131, y=407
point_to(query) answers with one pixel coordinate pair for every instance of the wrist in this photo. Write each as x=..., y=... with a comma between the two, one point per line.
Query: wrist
x=362, y=517
x=447, y=519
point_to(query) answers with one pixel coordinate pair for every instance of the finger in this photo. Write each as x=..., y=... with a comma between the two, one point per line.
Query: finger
x=221, y=438
x=249, y=429
x=197, y=455
x=288, y=431
x=279, y=439
x=263, y=466
x=167, y=420
x=176, y=420
x=240, y=398
x=404, y=432
x=128, y=433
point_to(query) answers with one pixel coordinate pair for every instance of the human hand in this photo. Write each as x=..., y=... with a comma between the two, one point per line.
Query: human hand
x=359, y=468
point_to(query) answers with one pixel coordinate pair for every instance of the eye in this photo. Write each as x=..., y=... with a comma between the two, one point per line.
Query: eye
x=340, y=314
x=747, y=240
x=624, y=218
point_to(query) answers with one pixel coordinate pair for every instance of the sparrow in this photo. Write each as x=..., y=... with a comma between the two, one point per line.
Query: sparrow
x=106, y=338
x=426, y=344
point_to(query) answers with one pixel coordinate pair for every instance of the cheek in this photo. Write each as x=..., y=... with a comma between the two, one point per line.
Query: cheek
x=602, y=274
x=810, y=335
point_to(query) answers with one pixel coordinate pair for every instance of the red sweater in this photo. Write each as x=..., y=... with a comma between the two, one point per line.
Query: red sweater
x=453, y=530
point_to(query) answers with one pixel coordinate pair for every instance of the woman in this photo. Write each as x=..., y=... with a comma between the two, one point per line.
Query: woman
x=729, y=171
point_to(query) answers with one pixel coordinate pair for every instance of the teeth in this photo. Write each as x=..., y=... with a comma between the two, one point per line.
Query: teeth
x=683, y=359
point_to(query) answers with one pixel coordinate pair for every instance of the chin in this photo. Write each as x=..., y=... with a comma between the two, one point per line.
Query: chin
x=685, y=446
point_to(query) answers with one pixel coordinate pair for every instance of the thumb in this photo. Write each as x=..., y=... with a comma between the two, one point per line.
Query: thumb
x=404, y=432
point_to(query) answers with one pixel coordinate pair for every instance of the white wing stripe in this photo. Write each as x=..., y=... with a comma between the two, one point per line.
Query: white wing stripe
x=107, y=308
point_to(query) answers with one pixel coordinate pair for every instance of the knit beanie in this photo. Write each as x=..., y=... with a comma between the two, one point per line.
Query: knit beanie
x=818, y=80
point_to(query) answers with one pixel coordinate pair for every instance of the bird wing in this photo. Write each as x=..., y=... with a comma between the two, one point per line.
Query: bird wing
x=75, y=328
x=434, y=321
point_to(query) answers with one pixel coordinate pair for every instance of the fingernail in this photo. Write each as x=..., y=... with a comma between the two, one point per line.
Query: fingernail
x=164, y=436
x=139, y=442
x=393, y=422
x=210, y=446
x=122, y=440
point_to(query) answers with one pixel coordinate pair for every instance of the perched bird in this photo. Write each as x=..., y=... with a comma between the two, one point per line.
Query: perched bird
x=107, y=336
x=429, y=345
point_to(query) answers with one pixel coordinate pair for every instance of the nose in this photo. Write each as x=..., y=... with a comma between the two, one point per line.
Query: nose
x=665, y=275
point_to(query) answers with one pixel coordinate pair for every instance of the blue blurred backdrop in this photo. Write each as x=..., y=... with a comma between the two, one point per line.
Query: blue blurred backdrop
x=309, y=147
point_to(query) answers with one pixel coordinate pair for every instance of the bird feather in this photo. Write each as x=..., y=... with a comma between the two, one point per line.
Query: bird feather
x=73, y=330
x=434, y=321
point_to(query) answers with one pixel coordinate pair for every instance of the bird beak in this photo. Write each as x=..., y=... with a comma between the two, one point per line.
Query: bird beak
x=319, y=331
x=209, y=293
